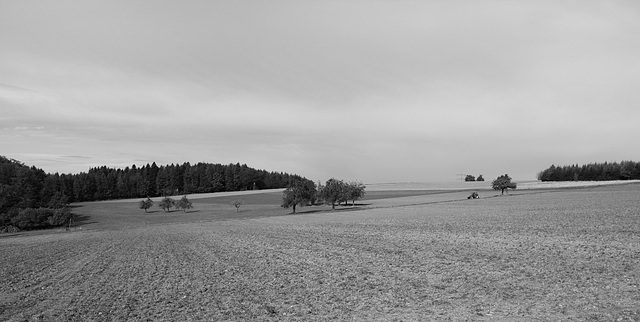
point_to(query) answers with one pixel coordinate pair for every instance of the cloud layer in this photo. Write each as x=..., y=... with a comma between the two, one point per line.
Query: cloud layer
x=369, y=90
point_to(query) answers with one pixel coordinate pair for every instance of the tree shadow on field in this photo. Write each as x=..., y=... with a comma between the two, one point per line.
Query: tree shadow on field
x=81, y=220
x=339, y=208
x=302, y=212
x=4, y=235
x=185, y=212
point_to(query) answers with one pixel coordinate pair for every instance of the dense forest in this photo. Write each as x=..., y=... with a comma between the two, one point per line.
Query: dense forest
x=23, y=187
x=625, y=170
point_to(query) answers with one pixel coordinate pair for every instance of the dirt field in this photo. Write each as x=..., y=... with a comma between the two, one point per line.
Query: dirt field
x=538, y=255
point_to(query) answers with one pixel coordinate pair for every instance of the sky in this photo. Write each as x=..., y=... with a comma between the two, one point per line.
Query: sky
x=373, y=91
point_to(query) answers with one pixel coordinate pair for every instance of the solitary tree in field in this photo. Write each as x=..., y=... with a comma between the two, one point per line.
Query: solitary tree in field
x=299, y=192
x=480, y=178
x=184, y=204
x=354, y=191
x=469, y=178
x=333, y=192
x=146, y=204
x=503, y=183
x=237, y=203
x=167, y=203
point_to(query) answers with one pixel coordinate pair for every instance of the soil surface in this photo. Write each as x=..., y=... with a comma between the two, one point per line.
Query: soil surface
x=536, y=255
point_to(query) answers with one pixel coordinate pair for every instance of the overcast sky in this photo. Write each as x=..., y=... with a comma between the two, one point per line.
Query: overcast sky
x=375, y=91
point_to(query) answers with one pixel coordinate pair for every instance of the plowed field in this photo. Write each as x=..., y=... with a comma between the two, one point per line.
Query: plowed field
x=569, y=255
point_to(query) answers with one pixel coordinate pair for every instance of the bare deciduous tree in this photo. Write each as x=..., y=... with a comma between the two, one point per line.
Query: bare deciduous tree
x=237, y=203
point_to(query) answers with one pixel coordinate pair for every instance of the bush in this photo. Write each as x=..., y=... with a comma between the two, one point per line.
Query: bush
x=30, y=218
x=9, y=229
x=59, y=201
x=60, y=217
x=5, y=218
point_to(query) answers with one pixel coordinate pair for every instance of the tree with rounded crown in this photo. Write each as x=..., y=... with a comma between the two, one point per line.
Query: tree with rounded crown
x=354, y=191
x=146, y=204
x=184, y=204
x=166, y=204
x=299, y=192
x=503, y=183
x=333, y=192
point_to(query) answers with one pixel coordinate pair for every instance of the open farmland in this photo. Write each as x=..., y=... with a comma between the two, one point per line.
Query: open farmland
x=571, y=254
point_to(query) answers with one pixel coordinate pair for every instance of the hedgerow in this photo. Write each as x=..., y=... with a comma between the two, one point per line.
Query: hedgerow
x=34, y=218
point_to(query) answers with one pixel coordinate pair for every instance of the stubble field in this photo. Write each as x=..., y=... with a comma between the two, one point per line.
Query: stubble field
x=563, y=255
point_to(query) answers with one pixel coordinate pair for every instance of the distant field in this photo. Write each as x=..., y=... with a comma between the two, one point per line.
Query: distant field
x=119, y=214
x=486, y=185
x=568, y=254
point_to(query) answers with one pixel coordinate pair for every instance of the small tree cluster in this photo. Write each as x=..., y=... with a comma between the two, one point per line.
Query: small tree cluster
x=332, y=192
x=354, y=191
x=336, y=191
x=473, y=178
x=167, y=203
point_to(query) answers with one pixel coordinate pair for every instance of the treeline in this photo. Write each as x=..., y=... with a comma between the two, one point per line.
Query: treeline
x=151, y=181
x=23, y=187
x=625, y=170
x=23, y=204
